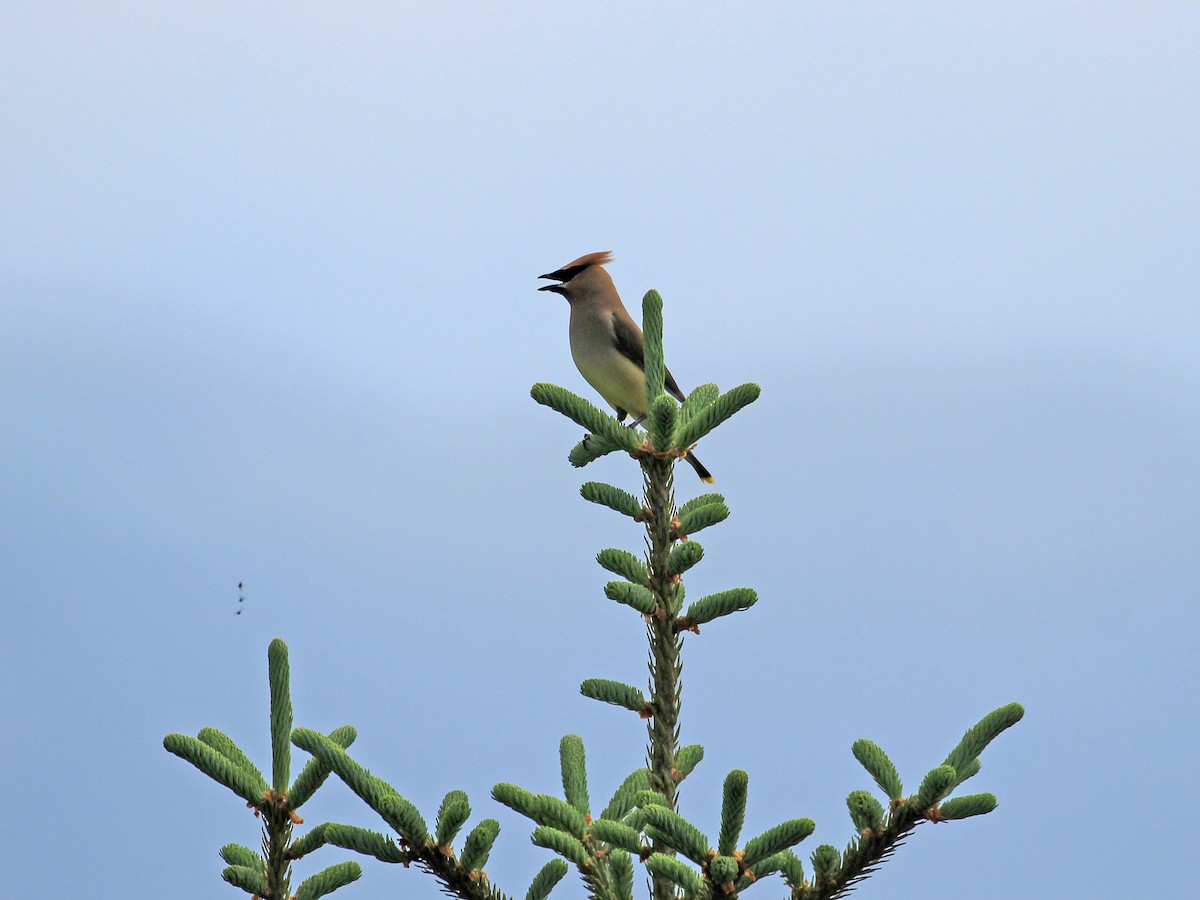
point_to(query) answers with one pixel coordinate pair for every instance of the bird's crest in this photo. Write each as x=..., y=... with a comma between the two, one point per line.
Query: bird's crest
x=571, y=269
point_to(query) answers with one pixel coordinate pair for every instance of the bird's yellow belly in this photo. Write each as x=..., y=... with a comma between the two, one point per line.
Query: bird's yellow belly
x=617, y=380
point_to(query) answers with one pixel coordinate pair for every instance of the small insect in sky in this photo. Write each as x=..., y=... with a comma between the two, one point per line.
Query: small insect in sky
x=241, y=598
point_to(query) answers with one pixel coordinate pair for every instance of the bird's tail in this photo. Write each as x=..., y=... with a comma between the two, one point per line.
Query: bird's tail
x=704, y=474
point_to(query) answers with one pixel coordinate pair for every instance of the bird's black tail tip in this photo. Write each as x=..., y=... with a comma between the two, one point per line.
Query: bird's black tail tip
x=704, y=474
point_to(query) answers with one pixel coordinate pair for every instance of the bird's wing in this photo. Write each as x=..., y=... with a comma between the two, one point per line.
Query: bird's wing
x=629, y=341
x=628, y=338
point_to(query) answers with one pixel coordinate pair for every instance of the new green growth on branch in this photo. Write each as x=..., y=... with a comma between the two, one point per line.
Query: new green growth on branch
x=641, y=825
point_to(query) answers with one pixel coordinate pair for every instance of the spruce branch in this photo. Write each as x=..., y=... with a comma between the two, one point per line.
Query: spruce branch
x=876, y=762
x=314, y=773
x=545, y=880
x=616, y=833
x=478, y=845
x=763, y=868
x=935, y=786
x=714, y=606
x=793, y=870
x=642, y=819
x=625, y=564
x=667, y=827
x=651, y=797
x=238, y=855
x=618, y=694
x=837, y=873
x=699, y=517
x=865, y=812
x=612, y=497
x=565, y=845
x=733, y=810
x=586, y=414
x=550, y=810
x=218, y=767
x=682, y=557
x=544, y=809
x=964, y=807
x=665, y=648
x=315, y=837
x=978, y=737
x=417, y=846
x=566, y=827
x=453, y=813
x=224, y=745
x=652, y=344
x=782, y=837
x=624, y=798
x=278, y=819
x=516, y=798
x=620, y=868
x=697, y=401
x=590, y=449
x=281, y=715
x=250, y=880
x=660, y=422
x=374, y=791
x=632, y=595
x=673, y=872
x=686, y=759
x=215, y=754
x=825, y=860
x=969, y=770
x=696, y=502
x=328, y=880
x=351, y=837
x=723, y=871
x=688, y=431
x=573, y=763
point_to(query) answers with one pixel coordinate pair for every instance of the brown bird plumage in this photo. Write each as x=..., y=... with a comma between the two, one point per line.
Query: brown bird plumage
x=606, y=343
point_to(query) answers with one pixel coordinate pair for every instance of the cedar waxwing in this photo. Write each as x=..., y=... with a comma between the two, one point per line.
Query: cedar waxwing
x=606, y=343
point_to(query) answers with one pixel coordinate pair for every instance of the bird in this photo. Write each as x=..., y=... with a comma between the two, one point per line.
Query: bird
x=606, y=343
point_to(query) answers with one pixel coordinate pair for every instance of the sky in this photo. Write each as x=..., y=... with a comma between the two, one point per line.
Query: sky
x=268, y=316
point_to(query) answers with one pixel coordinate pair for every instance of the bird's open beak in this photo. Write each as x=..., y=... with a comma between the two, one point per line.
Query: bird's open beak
x=557, y=288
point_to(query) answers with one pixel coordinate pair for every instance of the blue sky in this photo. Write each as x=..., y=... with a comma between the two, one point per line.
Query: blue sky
x=267, y=315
